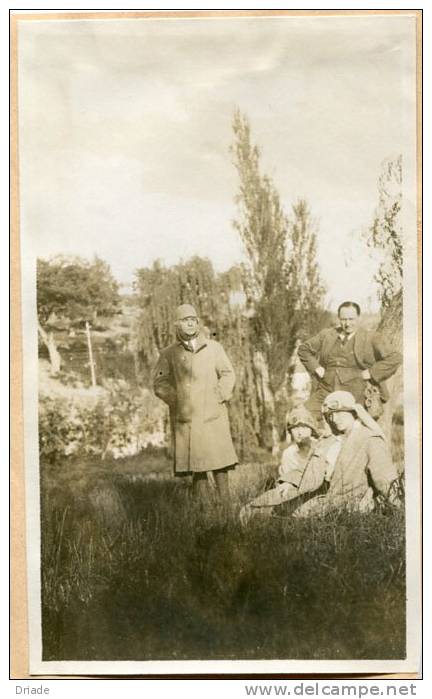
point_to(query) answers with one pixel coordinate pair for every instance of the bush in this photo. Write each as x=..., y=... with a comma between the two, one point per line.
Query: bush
x=117, y=422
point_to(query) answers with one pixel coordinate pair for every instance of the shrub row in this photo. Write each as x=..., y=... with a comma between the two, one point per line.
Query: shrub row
x=114, y=422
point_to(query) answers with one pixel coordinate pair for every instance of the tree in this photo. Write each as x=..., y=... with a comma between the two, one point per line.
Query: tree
x=256, y=310
x=263, y=228
x=283, y=280
x=384, y=238
x=304, y=272
x=385, y=234
x=159, y=290
x=70, y=291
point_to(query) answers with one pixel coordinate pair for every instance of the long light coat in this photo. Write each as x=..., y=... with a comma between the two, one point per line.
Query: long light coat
x=196, y=386
x=363, y=469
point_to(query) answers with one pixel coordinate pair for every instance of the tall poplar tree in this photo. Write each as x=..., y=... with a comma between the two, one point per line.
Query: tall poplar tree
x=284, y=279
x=263, y=228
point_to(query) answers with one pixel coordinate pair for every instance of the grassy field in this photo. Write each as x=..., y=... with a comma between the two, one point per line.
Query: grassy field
x=133, y=569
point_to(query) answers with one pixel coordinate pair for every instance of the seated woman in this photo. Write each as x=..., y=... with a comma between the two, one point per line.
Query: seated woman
x=303, y=431
x=354, y=469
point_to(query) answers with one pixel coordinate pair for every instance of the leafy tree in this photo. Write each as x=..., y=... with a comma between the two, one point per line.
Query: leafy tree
x=385, y=234
x=384, y=239
x=161, y=289
x=263, y=228
x=304, y=272
x=256, y=310
x=71, y=291
x=283, y=280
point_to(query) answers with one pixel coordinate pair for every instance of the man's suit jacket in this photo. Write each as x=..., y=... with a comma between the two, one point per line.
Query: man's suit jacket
x=371, y=352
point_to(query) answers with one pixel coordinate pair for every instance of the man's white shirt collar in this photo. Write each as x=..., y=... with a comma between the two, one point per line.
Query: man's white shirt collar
x=343, y=336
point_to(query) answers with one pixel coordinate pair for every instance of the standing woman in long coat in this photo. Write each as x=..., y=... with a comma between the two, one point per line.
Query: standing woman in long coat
x=196, y=379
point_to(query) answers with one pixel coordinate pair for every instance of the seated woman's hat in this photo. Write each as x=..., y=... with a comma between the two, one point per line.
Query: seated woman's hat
x=339, y=401
x=301, y=416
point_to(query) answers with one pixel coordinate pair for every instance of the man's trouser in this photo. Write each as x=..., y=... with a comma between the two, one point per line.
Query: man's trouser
x=200, y=485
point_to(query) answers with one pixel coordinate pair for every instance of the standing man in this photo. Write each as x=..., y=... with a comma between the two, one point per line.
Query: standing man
x=349, y=358
x=196, y=379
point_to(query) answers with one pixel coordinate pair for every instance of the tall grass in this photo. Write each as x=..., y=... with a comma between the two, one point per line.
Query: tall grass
x=137, y=569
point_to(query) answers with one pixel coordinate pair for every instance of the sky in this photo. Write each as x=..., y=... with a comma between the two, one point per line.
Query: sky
x=125, y=128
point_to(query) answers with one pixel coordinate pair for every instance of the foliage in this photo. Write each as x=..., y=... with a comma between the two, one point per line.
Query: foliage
x=263, y=225
x=284, y=281
x=70, y=291
x=112, y=355
x=220, y=301
x=116, y=422
x=258, y=311
x=263, y=228
x=304, y=272
x=169, y=580
x=385, y=234
x=385, y=241
x=160, y=289
x=75, y=290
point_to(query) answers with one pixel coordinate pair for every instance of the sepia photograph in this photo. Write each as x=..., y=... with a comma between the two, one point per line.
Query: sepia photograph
x=218, y=220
